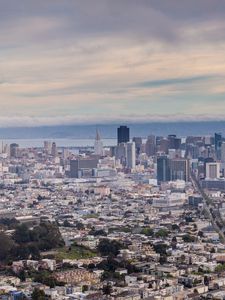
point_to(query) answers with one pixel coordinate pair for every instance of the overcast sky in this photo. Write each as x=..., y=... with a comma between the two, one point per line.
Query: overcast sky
x=74, y=61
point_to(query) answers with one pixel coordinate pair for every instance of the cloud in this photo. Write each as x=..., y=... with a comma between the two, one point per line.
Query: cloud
x=66, y=60
x=28, y=121
x=174, y=81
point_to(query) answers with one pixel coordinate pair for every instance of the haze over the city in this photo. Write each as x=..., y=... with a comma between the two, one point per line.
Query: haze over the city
x=68, y=62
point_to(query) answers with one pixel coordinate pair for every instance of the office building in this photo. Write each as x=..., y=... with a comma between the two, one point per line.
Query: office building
x=170, y=200
x=174, y=142
x=54, y=151
x=83, y=167
x=163, y=172
x=212, y=170
x=218, y=144
x=121, y=153
x=163, y=145
x=207, y=160
x=179, y=169
x=138, y=144
x=130, y=155
x=123, y=134
x=98, y=147
x=47, y=147
x=150, y=146
x=14, y=150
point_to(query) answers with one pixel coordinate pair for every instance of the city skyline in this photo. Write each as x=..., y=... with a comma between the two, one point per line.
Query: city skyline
x=69, y=62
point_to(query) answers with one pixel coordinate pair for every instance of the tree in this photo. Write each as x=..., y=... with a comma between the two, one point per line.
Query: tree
x=196, y=292
x=187, y=238
x=110, y=264
x=160, y=248
x=21, y=234
x=220, y=268
x=107, y=247
x=182, y=258
x=34, y=251
x=46, y=278
x=9, y=223
x=147, y=231
x=20, y=252
x=174, y=243
x=6, y=245
x=39, y=198
x=213, y=250
x=100, y=232
x=162, y=259
x=38, y=294
x=22, y=275
x=188, y=219
x=195, y=227
x=200, y=234
x=175, y=227
x=206, y=280
x=91, y=266
x=28, y=242
x=161, y=233
x=107, y=289
x=49, y=236
x=80, y=226
x=66, y=223
x=84, y=288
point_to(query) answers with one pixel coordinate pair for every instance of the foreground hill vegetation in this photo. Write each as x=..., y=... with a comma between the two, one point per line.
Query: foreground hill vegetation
x=24, y=243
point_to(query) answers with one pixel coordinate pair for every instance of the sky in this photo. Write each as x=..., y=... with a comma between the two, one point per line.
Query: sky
x=65, y=62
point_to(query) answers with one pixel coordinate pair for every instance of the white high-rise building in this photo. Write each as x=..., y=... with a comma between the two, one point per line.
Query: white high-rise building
x=98, y=147
x=130, y=155
x=48, y=147
x=212, y=170
x=54, y=151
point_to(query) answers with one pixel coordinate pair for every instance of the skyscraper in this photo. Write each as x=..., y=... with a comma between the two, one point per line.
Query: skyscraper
x=54, y=150
x=130, y=155
x=14, y=150
x=123, y=134
x=218, y=143
x=47, y=147
x=163, y=171
x=98, y=147
x=163, y=144
x=138, y=144
x=174, y=142
x=179, y=169
x=150, y=146
x=121, y=153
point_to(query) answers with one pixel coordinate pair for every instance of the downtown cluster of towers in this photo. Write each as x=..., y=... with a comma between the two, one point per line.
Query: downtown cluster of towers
x=174, y=157
x=171, y=157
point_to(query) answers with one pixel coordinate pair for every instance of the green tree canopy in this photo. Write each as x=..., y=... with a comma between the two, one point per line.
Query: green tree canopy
x=108, y=247
x=6, y=245
x=38, y=294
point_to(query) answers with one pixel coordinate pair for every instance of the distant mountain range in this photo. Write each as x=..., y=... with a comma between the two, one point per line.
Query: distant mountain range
x=110, y=130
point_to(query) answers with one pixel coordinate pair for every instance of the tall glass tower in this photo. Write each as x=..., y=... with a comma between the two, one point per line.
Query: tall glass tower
x=123, y=134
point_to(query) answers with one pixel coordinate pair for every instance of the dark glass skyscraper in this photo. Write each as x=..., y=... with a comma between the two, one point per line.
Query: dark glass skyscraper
x=218, y=144
x=174, y=142
x=123, y=134
x=163, y=171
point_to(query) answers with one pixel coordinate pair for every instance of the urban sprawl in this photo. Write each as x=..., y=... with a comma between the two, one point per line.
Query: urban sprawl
x=144, y=219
